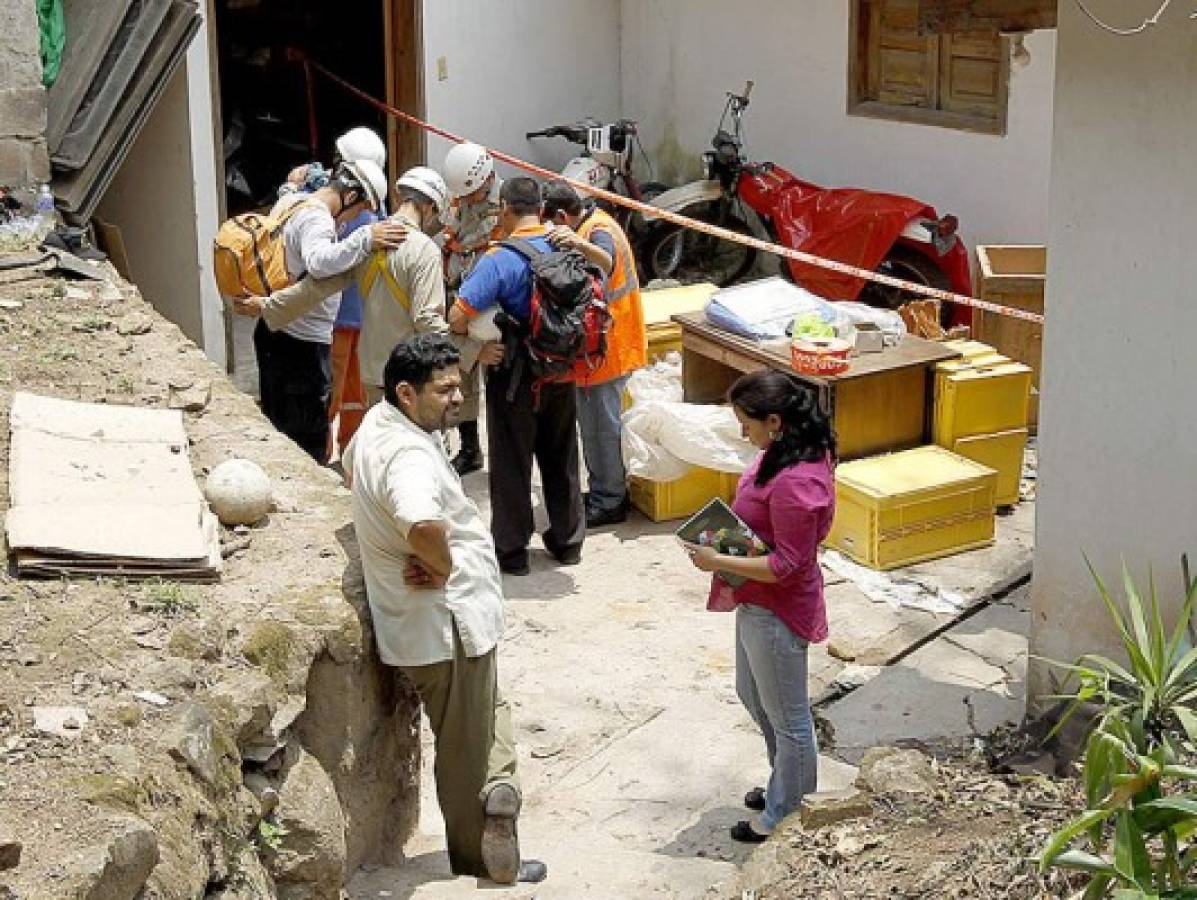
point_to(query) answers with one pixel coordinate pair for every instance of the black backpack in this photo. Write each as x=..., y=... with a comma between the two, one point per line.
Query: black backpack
x=565, y=337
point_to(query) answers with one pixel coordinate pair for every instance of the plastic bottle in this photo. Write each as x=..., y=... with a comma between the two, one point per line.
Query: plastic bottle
x=46, y=212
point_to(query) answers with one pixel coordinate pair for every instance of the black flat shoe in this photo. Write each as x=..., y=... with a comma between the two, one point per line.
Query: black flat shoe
x=743, y=832
x=755, y=799
x=515, y=565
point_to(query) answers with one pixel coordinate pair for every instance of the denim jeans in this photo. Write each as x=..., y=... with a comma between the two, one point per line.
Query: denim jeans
x=600, y=408
x=771, y=683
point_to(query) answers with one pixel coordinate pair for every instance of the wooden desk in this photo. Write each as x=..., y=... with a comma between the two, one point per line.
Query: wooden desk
x=882, y=403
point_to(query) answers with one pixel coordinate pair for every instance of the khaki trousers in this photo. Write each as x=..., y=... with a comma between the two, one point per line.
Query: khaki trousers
x=475, y=749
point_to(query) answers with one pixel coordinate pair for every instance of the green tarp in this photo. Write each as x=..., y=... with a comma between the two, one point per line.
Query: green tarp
x=53, y=34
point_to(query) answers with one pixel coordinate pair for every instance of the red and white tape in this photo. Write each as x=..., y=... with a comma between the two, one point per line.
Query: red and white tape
x=686, y=221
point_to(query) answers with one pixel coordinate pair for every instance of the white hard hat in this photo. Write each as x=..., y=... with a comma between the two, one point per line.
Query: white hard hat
x=370, y=176
x=429, y=183
x=362, y=143
x=467, y=166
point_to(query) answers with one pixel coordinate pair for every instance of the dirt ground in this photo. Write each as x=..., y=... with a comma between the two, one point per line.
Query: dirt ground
x=634, y=749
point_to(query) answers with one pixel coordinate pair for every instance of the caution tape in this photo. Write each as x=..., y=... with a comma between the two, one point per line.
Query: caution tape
x=687, y=222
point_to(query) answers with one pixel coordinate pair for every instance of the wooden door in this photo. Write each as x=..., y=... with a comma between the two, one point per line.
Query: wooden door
x=405, y=83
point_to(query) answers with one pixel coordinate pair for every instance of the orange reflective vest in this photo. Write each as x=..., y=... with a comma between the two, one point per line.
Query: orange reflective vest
x=627, y=345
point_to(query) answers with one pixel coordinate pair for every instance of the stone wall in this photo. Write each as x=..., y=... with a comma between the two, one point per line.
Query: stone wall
x=229, y=741
x=23, y=157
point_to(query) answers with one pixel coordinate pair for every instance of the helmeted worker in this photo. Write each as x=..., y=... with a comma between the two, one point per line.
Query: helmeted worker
x=597, y=236
x=347, y=402
x=470, y=226
x=403, y=290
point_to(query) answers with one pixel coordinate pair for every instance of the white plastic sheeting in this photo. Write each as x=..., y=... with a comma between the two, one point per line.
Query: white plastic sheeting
x=664, y=437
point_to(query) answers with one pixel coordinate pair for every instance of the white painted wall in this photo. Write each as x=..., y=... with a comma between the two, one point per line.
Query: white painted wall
x=1118, y=439
x=164, y=199
x=519, y=65
x=681, y=56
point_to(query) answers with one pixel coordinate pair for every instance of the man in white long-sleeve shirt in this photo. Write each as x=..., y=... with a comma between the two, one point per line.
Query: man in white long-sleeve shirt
x=294, y=375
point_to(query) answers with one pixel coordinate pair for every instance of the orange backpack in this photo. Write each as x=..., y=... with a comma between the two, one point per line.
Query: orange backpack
x=248, y=254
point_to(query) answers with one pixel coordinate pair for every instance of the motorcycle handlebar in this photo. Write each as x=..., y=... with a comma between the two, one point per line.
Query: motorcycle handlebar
x=748, y=90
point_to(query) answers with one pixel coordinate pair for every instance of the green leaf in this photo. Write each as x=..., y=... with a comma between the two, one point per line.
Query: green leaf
x=1179, y=771
x=1130, y=852
x=1085, y=862
x=1182, y=621
x=1182, y=670
x=1158, y=633
x=1155, y=816
x=1188, y=721
x=1107, y=664
x=1060, y=840
x=1097, y=887
x=1098, y=769
x=1134, y=607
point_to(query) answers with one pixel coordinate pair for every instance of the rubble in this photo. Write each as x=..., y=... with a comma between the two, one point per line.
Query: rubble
x=889, y=770
x=60, y=721
x=824, y=808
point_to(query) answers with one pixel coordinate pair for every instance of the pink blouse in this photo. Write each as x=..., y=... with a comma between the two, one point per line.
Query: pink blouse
x=792, y=514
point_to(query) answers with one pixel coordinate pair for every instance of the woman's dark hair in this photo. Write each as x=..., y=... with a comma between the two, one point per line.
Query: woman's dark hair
x=415, y=360
x=806, y=432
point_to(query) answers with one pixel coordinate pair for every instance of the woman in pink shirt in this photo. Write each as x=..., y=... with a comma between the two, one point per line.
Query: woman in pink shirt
x=787, y=497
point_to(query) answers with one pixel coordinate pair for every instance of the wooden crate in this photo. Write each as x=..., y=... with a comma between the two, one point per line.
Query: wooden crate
x=1013, y=275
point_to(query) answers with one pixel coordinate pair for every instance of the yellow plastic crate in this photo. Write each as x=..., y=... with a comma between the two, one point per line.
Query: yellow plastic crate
x=662, y=305
x=969, y=349
x=1002, y=452
x=681, y=498
x=908, y=507
x=981, y=399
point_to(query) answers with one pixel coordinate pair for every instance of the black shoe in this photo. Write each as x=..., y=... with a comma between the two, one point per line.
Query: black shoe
x=467, y=461
x=743, y=832
x=755, y=799
x=515, y=565
x=567, y=556
x=500, y=844
x=533, y=871
x=600, y=518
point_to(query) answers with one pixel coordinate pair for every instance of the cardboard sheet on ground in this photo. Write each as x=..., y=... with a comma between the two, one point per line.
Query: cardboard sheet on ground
x=105, y=490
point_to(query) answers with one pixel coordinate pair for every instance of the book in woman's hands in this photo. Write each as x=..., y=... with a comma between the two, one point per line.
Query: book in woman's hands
x=718, y=527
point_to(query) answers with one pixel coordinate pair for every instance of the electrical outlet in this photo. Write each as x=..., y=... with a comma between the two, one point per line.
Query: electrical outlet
x=442, y=69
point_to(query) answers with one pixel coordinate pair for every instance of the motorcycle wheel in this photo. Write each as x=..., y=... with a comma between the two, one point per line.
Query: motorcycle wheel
x=909, y=265
x=690, y=256
x=634, y=225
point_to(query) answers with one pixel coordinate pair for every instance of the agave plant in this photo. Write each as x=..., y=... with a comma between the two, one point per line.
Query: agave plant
x=1141, y=809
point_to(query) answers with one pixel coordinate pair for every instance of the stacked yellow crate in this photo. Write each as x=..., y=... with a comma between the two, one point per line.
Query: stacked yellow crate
x=660, y=306
x=904, y=508
x=682, y=497
x=981, y=412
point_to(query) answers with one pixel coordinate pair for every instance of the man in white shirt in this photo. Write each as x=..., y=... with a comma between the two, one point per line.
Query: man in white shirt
x=436, y=600
x=294, y=373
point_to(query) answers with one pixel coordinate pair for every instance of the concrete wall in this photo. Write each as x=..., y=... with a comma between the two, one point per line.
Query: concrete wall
x=681, y=56
x=519, y=65
x=165, y=200
x=23, y=157
x=1118, y=445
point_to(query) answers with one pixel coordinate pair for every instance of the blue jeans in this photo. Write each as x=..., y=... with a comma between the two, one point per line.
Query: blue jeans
x=771, y=683
x=600, y=408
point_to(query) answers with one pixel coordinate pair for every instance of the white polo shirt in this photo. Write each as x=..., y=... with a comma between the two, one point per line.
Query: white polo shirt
x=401, y=476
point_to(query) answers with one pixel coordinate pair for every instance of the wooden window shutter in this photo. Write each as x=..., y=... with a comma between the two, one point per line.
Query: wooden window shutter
x=903, y=65
x=972, y=77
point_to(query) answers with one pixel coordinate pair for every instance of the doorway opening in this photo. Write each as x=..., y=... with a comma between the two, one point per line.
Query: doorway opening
x=273, y=118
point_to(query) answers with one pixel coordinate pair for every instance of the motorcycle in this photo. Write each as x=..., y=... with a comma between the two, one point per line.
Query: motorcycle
x=608, y=163
x=888, y=233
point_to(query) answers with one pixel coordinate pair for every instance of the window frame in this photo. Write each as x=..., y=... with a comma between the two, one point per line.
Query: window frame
x=861, y=105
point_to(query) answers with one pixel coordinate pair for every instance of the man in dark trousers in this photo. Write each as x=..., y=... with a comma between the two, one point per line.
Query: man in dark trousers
x=523, y=424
